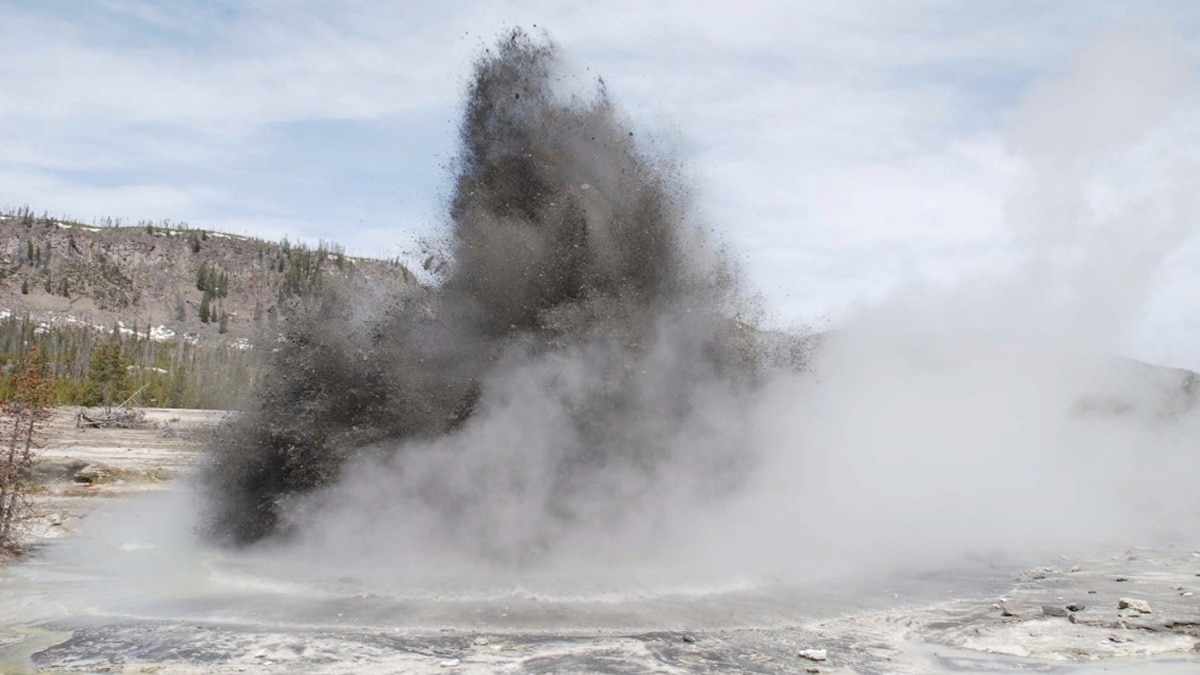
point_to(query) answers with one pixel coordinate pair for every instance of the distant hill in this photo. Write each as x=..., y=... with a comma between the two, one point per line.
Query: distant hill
x=159, y=277
x=184, y=307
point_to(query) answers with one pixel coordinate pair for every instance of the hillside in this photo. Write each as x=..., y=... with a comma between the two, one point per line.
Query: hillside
x=157, y=277
x=167, y=314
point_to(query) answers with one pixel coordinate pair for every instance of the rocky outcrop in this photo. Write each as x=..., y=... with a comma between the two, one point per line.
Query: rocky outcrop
x=146, y=277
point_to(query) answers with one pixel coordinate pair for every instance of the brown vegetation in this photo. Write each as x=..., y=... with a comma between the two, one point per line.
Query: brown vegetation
x=24, y=412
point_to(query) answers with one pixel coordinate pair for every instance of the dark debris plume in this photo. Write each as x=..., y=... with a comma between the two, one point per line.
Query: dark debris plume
x=565, y=238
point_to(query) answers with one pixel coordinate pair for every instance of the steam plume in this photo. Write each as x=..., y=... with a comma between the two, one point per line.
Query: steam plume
x=570, y=356
x=577, y=387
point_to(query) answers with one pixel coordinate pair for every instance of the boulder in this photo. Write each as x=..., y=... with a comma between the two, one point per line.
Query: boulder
x=1140, y=606
x=814, y=654
x=90, y=474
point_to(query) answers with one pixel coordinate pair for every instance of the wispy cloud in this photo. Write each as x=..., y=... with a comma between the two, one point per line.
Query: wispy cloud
x=840, y=147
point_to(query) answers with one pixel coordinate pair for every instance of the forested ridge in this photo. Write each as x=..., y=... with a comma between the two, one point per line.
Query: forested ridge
x=171, y=315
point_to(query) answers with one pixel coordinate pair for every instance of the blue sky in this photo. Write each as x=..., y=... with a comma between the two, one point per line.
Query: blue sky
x=842, y=149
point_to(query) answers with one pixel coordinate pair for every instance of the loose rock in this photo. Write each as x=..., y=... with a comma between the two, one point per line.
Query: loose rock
x=1053, y=610
x=814, y=654
x=1076, y=607
x=90, y=474
x=1135, y=604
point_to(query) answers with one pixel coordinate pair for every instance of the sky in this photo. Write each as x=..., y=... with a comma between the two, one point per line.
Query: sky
x=841, y=150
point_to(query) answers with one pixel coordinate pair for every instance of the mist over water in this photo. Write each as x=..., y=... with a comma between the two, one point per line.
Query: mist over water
x=581, y=393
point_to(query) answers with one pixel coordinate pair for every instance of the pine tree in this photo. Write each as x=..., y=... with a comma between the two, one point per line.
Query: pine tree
x=205, y=306
x=108, y=376
x=177, y=395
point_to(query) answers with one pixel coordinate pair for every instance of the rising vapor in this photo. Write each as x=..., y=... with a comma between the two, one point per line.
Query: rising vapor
x=584, y=341
x=581, y=386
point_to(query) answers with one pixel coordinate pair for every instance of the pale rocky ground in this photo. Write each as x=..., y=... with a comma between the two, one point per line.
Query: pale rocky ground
x=1064, y=617
x=78, y=463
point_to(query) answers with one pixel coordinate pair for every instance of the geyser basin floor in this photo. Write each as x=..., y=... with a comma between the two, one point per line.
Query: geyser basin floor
x=130, y=593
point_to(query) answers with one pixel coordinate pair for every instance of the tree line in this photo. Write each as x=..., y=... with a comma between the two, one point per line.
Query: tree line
x=91, y=367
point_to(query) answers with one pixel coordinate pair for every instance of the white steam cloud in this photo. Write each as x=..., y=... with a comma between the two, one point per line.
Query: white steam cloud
x=994, y=417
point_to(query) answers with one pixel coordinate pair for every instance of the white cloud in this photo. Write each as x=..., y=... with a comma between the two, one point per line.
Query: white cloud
x=88, y=203
x=841, y=147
